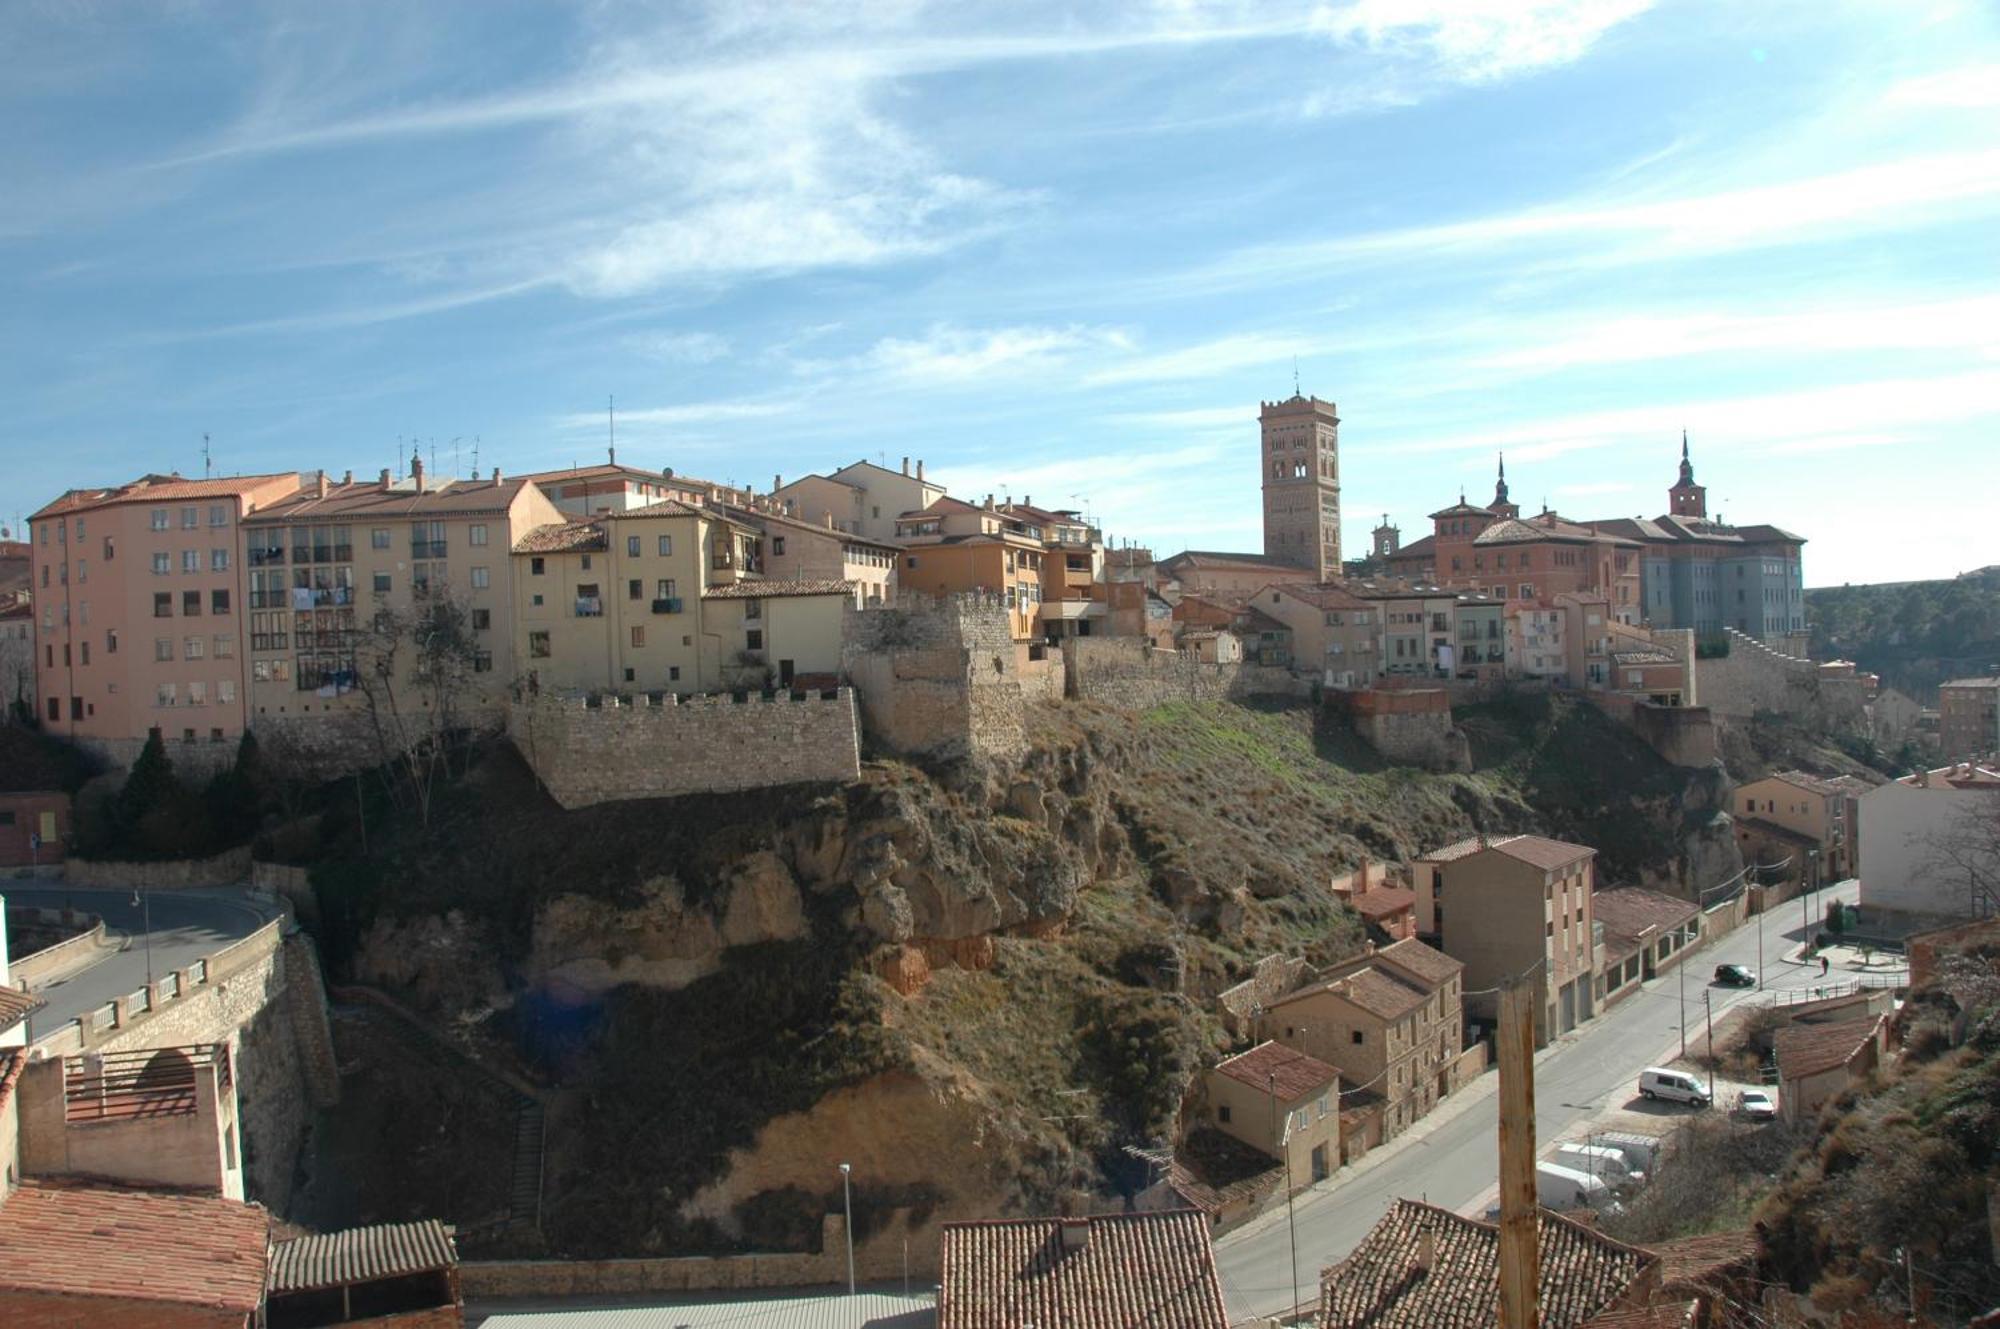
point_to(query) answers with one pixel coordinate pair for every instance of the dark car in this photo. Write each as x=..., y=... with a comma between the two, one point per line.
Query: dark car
x=1735, y=976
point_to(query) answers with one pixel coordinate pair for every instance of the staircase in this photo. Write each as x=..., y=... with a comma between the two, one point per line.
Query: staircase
x=525, y=1199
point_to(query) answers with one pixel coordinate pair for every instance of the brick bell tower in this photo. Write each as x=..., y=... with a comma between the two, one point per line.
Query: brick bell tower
x=1686, y=498
x=1299, y=452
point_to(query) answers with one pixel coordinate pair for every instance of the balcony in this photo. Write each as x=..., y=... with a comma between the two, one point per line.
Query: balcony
x=587, y=608
x=427, y=548
x=266, y=556
x=668, y=605
x=1067, y=611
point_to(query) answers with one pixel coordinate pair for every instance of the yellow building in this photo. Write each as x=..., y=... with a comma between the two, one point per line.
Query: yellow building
x=1800, y=821
x=1282, y=1102
x=668, y=598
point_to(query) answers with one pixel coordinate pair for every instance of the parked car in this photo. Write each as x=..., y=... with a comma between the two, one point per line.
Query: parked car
x=1735, y=976
x=1564, y=1189
x=1600, y=1161
x=1756, y=1105
x=1674, y=1087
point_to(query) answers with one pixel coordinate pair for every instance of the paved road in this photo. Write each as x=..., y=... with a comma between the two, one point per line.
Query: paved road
x=186, y=925
x=1453, y=1159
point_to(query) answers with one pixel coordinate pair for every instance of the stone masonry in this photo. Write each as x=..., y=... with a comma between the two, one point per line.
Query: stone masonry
x=1754, y=680
x=937, y=678
x=1133, y=673
x=589, y=750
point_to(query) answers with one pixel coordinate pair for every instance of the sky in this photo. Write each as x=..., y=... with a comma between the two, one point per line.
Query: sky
x=1060, y=252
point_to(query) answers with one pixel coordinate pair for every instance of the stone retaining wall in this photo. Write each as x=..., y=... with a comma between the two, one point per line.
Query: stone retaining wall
x=942, y=678
x=1131, y=672
x=30, y=971
x=228, y=868
x=604, y=749
x=1408, y=725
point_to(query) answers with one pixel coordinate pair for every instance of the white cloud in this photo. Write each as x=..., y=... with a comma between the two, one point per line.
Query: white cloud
x=1479, y=41
x=1970, y=87
x=691, y=348
x=946, y=353
x=699, y=412
x=1238, y=351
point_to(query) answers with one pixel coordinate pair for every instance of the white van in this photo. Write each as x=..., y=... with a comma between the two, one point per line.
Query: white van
x=1564, y=1188
x=1599, y=1161
x=1673, y=1087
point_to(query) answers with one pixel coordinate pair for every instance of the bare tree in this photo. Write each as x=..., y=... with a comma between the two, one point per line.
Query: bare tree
x=414, y=667
x=1966, y=853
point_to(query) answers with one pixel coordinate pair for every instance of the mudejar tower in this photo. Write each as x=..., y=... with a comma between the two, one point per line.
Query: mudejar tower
x=1301, y=471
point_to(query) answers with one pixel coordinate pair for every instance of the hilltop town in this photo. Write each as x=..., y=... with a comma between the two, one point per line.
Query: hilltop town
x=908, y=760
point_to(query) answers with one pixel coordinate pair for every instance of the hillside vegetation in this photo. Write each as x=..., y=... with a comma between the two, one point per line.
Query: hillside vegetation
x=1917, y=634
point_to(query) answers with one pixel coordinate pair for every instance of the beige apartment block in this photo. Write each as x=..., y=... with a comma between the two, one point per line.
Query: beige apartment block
x=1418, y=629
x=954, y=548
x=590, y=491
x=1513, y=906
x=1392, y=1021
x=1587, y=638
x=1074, y=602
x=326, y=562
x=1802, y=821
x=140, y=593
x=1335, y=633
x=1283, y=1103
x=862, y=499
x=1969, y=719
x=1299, y=461
x=669, y=598
x=1537, y=641
x=797, y=550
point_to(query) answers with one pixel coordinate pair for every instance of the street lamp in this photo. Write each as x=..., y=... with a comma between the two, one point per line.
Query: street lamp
x=143, y=899
x=847, y=1204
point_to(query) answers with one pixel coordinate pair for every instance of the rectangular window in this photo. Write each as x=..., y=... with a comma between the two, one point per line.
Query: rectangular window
x=673, y=673
x=538, y=645
x=631, y=546
x=225, y=647
x=381, y=583
x=159, y=519
x=586, y=562
x=218, y=602
x=195, y=648
x=190, y=519
x=111, y=641
x=197, y=693
x=475, y=534
x=162, y=565
x=480, y=579
x=638, y=636
x=482, y=662
x=378, y=538
x=482, y=619
x=218, y=560
x=666, y=546
x=190, y=560
x=225, y=690
x=754, y=640
x=191, y=604
x=163, y=604
x=163, y=695
x=536, y=567
x=218, y=514
x=163, y=648
x=778, y=546
x=635, y=589
x=664, y=588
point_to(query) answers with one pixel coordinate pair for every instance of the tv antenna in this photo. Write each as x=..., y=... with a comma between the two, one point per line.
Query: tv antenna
x=1295, y=377
x=475, y=456
x=611, y=425
x=207, y=458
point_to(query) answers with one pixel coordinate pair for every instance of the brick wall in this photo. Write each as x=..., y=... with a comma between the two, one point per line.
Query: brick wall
x=28, y=1310
x=601, y=750
x=1132, y=673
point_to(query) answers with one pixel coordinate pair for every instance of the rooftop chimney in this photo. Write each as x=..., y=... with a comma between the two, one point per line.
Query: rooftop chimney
x=348, y=478
x=1027, y=502
x=496, y=475
x=385, y=477
x=320, y=483
x=777, y=483
x=920, y=468
x=829, y=519
x=989, y=502
x=1426, y=1257
x=906, y=466
x=417, y=472
x=1075, y=1233
x=611, y=454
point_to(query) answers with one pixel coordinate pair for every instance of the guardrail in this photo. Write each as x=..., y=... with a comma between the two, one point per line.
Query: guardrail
x=90, y=1028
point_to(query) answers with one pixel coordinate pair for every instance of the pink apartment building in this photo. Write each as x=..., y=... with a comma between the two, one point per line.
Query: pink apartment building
x=139, y=594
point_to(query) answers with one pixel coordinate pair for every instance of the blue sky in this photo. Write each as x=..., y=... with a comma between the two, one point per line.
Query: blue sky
x=1054, y=251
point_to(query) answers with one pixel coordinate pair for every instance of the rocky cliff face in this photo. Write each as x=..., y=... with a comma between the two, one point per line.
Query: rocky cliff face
x=987, y=979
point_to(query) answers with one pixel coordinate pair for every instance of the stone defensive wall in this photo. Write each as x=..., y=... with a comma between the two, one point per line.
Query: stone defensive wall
x=1755, y=680
x=1133, y=673
x=944, y=678
x=1683, y=735
x=600, y=749
x=1409, y=725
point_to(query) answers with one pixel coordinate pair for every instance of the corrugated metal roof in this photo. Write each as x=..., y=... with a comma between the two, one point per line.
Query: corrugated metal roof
x=360, y=1255
x=868, y=1310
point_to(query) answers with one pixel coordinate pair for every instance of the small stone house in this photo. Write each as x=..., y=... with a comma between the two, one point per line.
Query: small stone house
x=1282, y=1102
x=1816, y=1062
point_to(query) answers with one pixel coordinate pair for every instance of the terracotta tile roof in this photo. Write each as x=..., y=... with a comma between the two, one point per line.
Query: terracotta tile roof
x=1298, y=1076
x=1547, y=526
x=1325, y=595
x=1630, y=913
x=1129, y=1270
x=940, y=506
x=670, y=507
x=1583, y=1273
x=100, y=1241
x=159, y=489
x=16, y=1005
x=1706, y=1263
x=1661, y=1315
x=360, y=1255
x=1542, y=852
x=605, y=470
x=364, y=501
x=761, y=519
x=1809, y=1049
x=1424, y=962
x=1454, y=851
x=1643, y=656
x=1210, y=558
x=771, y=590
x=564, y=537
x=1422, y=547
x=1380, y=992
x=1384, y=901
x=1810, y=783
x=13, y=1062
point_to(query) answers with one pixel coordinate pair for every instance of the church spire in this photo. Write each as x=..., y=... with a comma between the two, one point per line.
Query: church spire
x=1687, y=466
x=1500, y=485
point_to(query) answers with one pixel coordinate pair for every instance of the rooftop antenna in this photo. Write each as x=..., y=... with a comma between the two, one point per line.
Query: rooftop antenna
x=475, y=454
x=1295, y=377
x=434, y=454
x=611, y=425
x=454, y=452
x=207, y=459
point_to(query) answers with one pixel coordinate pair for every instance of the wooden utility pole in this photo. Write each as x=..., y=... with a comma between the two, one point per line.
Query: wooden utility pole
x=1519, y=1217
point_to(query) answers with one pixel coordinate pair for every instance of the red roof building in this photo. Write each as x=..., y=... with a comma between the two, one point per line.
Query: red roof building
x=1118, y=1271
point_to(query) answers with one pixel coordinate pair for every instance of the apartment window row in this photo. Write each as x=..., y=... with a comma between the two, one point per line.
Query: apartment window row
x=163, y=603
x=163, y=564
x=196, y=693
x=190, y=518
